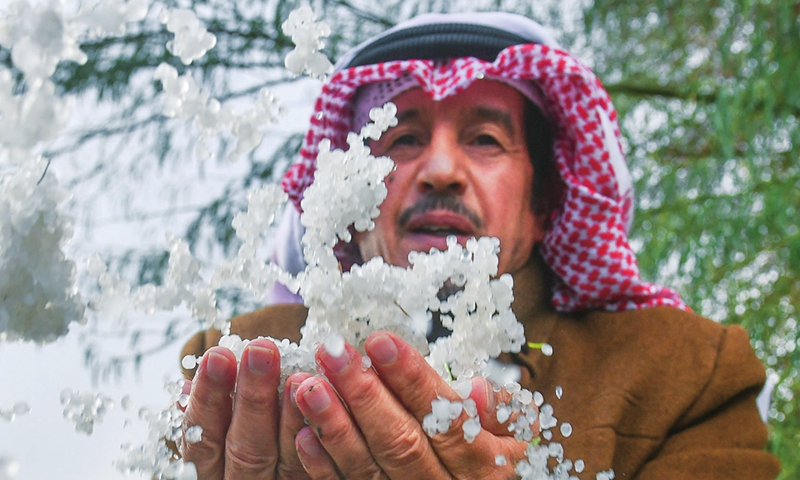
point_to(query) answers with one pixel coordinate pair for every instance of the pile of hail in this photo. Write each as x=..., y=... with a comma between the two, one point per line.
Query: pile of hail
x=38, y=279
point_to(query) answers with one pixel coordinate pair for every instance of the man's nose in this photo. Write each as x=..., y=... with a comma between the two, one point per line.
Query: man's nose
x=443, y=168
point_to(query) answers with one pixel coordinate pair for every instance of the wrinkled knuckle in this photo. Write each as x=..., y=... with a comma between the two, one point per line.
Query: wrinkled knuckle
x=241, y=458
x=335, y=434
x=408, y=447
x=368, y=395
x=417, y=389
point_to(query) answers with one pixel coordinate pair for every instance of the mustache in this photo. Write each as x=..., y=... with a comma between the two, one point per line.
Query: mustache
x=440, y=201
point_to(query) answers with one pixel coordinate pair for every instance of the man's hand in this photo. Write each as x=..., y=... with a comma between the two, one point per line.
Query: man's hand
x=251, y=434
x=372, y=428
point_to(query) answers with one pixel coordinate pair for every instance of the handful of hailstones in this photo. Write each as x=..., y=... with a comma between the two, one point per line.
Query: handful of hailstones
x=348, y=306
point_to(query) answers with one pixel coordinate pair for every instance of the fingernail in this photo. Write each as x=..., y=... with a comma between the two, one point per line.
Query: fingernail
x=259, y=359
x=293, y=392
x=490, y=396
x=217, y=366
x=382, y=349
x=335, y=364
x=308, y=443
x=317, y=398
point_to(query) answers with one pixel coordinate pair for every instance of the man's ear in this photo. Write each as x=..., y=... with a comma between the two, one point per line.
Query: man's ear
x=540, y=227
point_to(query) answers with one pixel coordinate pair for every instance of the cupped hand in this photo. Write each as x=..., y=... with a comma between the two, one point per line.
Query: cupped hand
x=367, y=422
x=250, y=433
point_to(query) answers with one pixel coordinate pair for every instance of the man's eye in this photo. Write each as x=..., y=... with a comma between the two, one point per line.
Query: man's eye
x=486, y=140
x=405, y=141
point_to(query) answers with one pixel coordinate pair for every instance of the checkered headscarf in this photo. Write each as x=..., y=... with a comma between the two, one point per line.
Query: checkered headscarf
x=587, y=245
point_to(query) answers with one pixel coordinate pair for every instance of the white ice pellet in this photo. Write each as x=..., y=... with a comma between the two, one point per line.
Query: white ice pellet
x=9, y=468
x=455, y=409
x=463, y=387
x=606, y=475
x=19, y=409
x=555, y=450
x=547, y=434
x=126, y=403
x=566, y=429
x=538, y=399
x=189, y=362
x=579, y=466
x=366, y=363
x=85, y=409
x=470, y=408
x=559, y=392
x=547, y=350
x=503, y=413
x=334, y=344
x=513, y=387
x=429, y=424
x=525, y=397
x=471, y=427
x=441, y=408
x=194, y=434
x=307, y=34
x=500, y=460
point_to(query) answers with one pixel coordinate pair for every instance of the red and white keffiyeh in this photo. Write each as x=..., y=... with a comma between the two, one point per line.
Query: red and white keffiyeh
x=587, y=244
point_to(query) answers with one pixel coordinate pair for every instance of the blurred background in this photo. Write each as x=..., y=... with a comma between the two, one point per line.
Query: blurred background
x=708, y=100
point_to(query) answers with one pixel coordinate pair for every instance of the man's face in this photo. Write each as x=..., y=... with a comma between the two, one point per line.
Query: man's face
x=462, y=169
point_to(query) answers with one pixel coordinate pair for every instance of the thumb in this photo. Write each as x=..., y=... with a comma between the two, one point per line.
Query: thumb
x=494, y=407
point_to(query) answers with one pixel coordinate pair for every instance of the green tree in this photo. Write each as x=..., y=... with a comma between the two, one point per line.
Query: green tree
x=709, y=106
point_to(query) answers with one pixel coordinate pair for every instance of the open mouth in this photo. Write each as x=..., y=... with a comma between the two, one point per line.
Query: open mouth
x=440, y=223
x=439, y=230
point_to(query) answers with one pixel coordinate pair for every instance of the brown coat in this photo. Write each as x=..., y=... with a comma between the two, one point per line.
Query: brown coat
x=654, y=394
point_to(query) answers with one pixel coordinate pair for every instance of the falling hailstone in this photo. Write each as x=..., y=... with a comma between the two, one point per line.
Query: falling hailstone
x=9, y=468
x=19, y=409
x=307, y=35
x=85, y=409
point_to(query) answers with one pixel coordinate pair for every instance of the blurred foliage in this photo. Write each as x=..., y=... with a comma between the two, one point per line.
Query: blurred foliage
x=709, y=104
x=710, y=107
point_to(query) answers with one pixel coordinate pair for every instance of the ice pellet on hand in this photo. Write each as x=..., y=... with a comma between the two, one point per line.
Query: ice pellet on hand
x=194, y=434
x=471, y=427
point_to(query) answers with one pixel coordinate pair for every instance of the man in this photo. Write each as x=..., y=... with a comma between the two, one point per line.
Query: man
x=489, y=109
